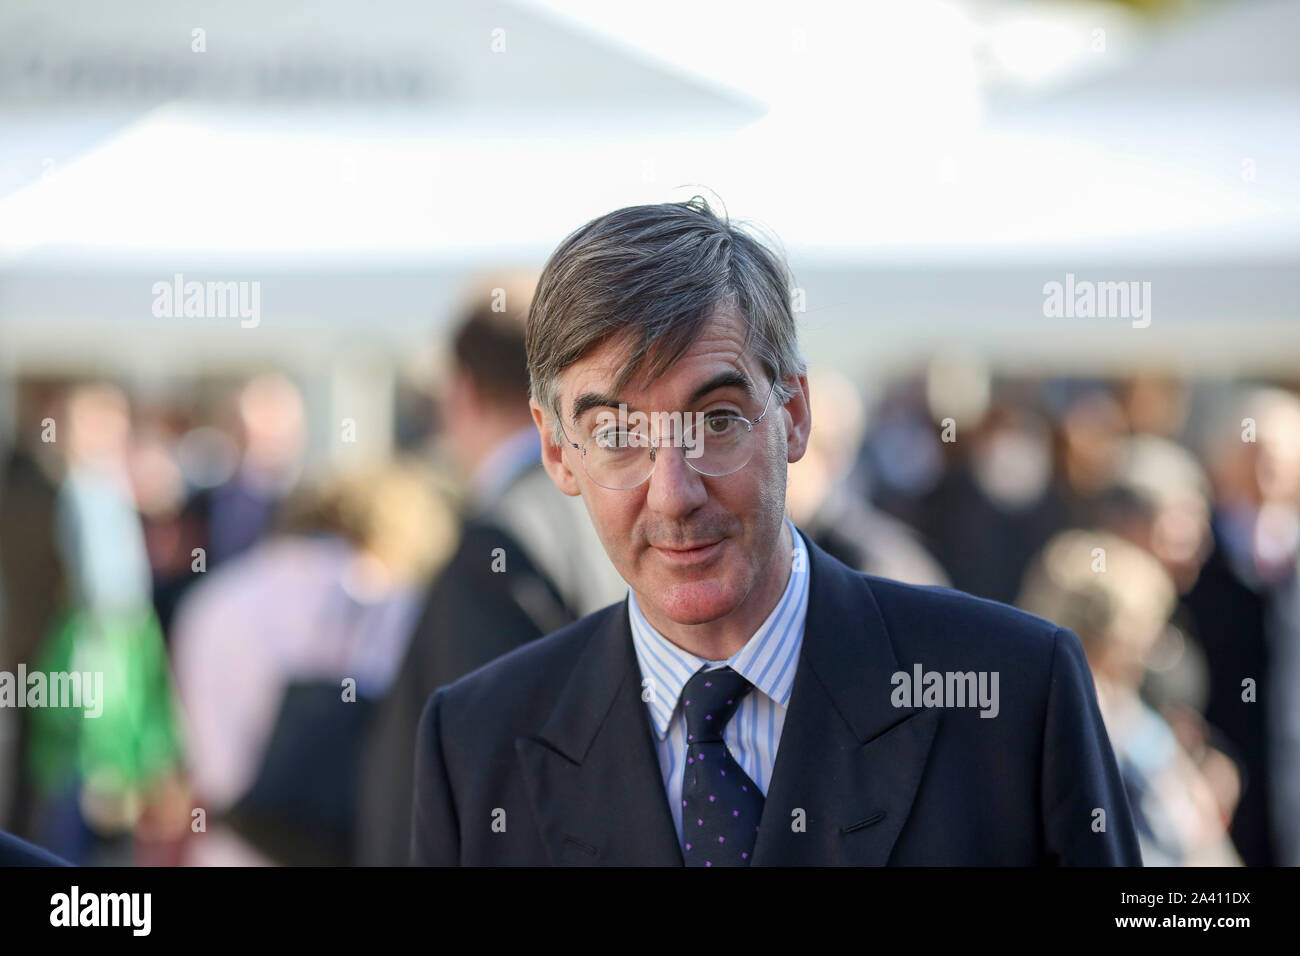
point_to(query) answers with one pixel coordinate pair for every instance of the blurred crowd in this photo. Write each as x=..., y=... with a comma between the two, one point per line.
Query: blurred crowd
x=232, y=591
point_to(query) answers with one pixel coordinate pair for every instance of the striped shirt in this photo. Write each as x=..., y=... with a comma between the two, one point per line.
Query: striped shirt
x=768, y=661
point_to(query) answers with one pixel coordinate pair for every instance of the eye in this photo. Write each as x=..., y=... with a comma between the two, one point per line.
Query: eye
x=719, y=423
x=617, y=439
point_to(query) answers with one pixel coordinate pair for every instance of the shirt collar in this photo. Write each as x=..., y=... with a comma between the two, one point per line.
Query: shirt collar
x=768, y=659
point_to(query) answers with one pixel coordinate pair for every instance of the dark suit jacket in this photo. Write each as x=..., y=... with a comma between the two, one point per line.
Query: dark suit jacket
x=472, y=615
x=554, y=741
x=17, y=852
x=1230, y=623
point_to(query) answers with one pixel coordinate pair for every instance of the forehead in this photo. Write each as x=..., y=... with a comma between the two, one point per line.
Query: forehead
x=720, y=346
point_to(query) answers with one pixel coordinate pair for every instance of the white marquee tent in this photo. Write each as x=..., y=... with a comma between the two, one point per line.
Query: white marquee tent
x=926, y=167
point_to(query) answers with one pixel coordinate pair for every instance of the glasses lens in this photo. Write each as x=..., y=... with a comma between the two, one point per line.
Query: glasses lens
x=719, y=445
x=618, y=458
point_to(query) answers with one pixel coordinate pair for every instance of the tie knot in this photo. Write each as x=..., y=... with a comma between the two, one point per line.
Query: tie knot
x=710, y=698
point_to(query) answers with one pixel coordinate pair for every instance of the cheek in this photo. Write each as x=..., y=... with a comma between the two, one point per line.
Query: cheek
x=613, y=515
x=773, y=478
x=756, y=503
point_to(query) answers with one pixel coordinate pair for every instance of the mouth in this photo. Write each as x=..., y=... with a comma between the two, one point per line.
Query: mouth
x=689, y=556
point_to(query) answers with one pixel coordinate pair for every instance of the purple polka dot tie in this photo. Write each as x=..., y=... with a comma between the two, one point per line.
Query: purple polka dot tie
x=721, y=806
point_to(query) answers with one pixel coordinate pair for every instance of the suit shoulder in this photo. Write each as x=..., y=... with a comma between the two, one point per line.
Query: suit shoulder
x=944, y=615
x=18, y=852
x=544, y=662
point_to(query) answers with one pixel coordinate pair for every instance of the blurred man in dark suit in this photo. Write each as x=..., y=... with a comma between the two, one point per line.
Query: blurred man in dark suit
x=32, y=582
x=1245, y=608
x=752, y=701
x=528, y=561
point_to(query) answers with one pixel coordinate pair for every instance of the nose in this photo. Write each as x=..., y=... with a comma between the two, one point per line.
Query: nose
x=676, y=489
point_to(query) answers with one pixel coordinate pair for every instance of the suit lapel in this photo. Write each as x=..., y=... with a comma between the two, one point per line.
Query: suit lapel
x=849, y=762
x=847, y=768
x=591, y=771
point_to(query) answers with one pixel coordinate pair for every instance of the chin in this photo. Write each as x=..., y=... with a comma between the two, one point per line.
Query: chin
x=697, y=602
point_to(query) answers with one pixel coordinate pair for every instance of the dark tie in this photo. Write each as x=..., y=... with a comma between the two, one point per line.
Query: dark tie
x=721, y=806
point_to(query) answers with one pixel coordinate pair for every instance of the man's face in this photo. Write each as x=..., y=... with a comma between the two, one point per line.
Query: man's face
x=692, y=547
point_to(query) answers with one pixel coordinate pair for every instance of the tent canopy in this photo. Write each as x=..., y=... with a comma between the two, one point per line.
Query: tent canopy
x=361, y=166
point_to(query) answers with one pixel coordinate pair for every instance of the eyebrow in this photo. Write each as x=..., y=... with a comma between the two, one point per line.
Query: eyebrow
x=731, y=378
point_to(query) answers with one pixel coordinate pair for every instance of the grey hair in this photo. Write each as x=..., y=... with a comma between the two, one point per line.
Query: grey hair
x=654, y=275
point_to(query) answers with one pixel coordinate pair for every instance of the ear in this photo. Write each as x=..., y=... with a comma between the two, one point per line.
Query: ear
x=554, y=457
x=798, y=417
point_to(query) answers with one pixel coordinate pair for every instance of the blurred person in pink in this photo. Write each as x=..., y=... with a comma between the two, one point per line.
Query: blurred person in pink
x=100, y=775
x=281, y=653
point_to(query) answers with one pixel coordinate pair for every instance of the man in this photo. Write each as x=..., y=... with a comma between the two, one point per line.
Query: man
x=527, y=562
x=749, y=703
x=1245, y=609
x=32, y=582
x=832, y=512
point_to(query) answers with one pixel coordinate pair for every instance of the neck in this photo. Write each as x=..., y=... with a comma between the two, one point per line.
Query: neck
x=720, y=639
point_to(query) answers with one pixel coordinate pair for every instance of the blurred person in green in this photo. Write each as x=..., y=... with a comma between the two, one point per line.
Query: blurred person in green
x=96, y=776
